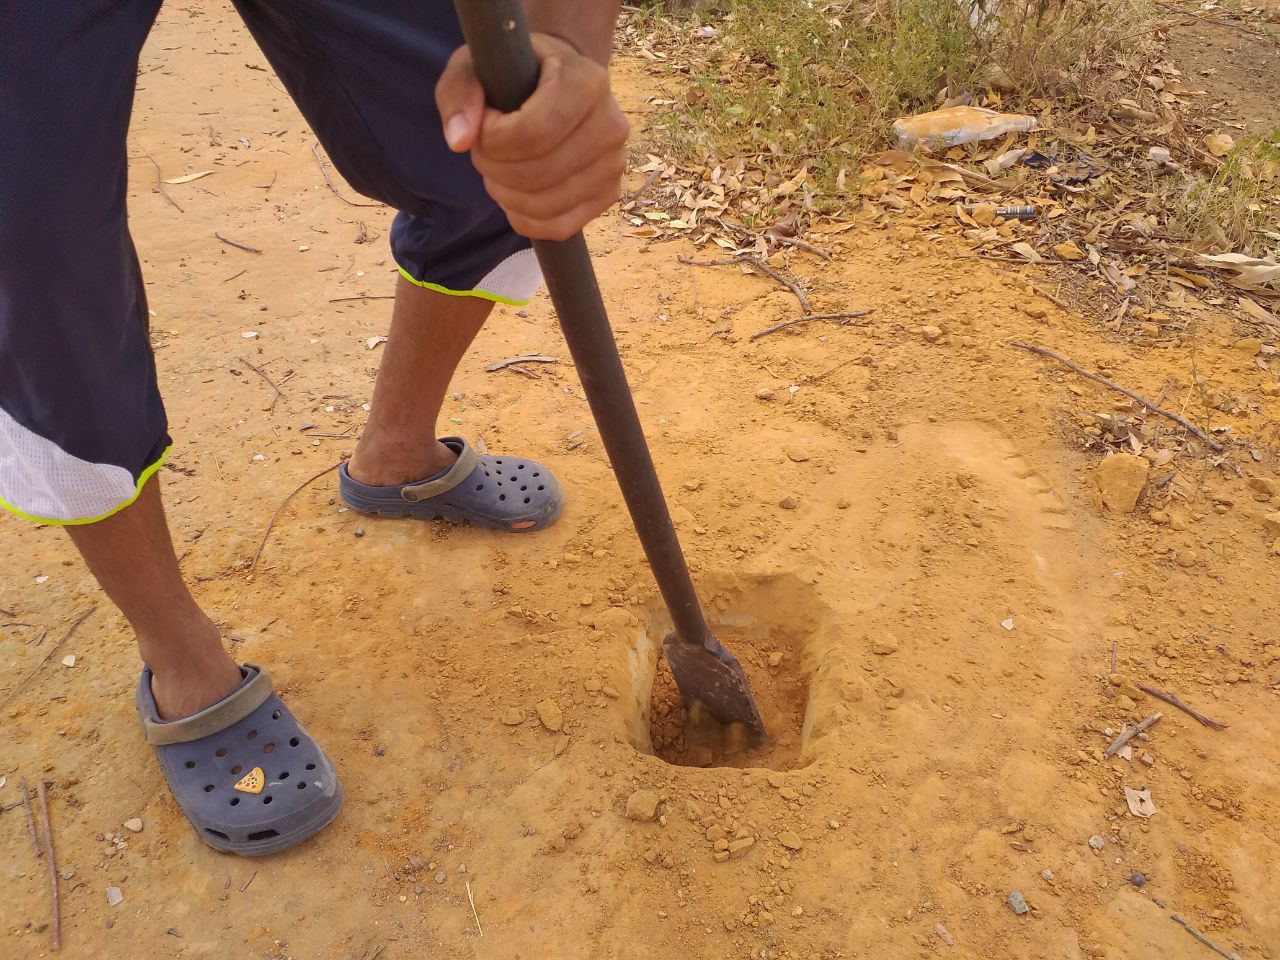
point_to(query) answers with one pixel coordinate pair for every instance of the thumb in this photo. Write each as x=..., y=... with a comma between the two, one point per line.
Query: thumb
x=460, y=101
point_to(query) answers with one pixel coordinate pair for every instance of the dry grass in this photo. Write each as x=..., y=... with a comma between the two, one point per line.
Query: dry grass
x=818, y=84
x=1238, y=208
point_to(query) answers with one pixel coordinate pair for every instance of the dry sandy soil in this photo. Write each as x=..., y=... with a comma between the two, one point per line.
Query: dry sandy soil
x=927, y=761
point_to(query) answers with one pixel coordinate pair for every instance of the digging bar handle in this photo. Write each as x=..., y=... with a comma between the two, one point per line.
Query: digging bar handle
x=504, y=61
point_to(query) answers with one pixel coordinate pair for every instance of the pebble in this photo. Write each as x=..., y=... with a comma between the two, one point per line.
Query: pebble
x=842, y=503
x=790, y=839
x=765, y=393
x=513, y=717
x=931, y=333
x=1018, y=903
x=1126, y=703
x=1097, y=842
x=359, y=532
x=1148, y=759
x=788, y=503
x=69, y=660
x=642, y=805
x=1121, y=478
x=441, y=876
x=133, y=825
x=1138, y=878
x=114, y=896
x=737, y=846
x=775, y=658
x=797, y=455
x=592, y=685
x=550, y=714
x=883, y=646
x=715, y=832
x=1046, y=875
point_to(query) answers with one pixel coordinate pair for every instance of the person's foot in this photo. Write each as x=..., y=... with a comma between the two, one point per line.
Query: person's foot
x=190, y=674
x=381, y=461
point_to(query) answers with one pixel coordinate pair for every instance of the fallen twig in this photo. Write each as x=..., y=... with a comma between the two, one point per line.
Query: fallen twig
x=1173, y=701
x=270, y=383
x=272, y=522
x=234, y=275
x=159, y=187
x=829, y=370
x=472, y=901
x=649, y=182
x=236, y=243
x=31, y=820
x=1154, y=408
x=54, y=649
x=844, y=319
x=523, y=358
x=56, y=920
x=380, y=296
x=756, y=264
x=249, y=881
x=1205, y=940
x=328, y=181
x=1128, y=733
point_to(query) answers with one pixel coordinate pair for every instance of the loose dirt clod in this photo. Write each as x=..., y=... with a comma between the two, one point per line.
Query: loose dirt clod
x=1121, y=479
x=642, y=805
x=550, y=714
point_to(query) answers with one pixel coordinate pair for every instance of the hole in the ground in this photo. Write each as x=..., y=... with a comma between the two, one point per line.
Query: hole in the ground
x=773, y=657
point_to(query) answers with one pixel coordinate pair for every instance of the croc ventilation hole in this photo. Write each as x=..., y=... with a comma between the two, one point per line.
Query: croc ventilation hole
x=208, y=788
x=269, y=748
x=283, y=776
x=252, y=735
x=277, y=714
x=263, y=834
x=237, y=770
x=266, y=799
x=293, y=742
x=311, y=766
x=190, y=764
x=302, y=784
x=216, y=833
x=220, y=752
x=235, y=801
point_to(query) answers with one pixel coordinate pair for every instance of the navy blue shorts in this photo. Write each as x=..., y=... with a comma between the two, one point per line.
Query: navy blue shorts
x=82, y=425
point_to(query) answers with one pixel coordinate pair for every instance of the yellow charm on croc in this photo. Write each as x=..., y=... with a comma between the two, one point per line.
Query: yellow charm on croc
x=252, y=782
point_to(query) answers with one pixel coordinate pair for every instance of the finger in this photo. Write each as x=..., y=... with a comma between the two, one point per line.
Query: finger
x=568, y=91
x=597, y=187
x=460, y=101
x=602, y=135
x=558, y=228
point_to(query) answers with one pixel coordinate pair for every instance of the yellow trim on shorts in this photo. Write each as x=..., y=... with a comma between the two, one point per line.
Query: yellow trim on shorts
x=482, y=294
x=142, y=479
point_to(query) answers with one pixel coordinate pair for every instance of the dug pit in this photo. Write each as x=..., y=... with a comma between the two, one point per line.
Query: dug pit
x=774, y=660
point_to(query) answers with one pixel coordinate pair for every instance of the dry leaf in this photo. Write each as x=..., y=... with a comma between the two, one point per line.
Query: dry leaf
x=1251, y=269
x=1257, y=311
x=1027, y=252
x=374, y=341
x=189, y=177
x=1139, y=801
x=1219, y=144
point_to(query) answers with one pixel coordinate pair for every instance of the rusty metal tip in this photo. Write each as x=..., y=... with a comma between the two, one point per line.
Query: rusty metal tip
x=710, y=675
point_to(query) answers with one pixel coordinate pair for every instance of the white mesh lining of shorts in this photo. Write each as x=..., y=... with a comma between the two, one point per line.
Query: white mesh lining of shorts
x=515, y=278
x=42, y=480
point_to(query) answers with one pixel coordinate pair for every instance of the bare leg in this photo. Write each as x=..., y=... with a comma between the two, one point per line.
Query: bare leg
x=429, y=334
x=132, y=556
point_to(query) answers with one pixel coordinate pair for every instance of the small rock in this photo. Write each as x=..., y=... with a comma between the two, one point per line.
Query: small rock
x=441, y=876
x=788, y=503
x=1018, y=903
x=944, y=934
x=715, y=832
x=1148, y=759
x=790, y=839
x=1126, y=703
x=737, y=846
x=592, y=685
x=931, y=333
x=114, y=896
x=1097, y=842
x=550, y=714
x=69, y=660
x=642, y=805
x=984, y=214
x=513, y=717
x=775, y=658
x=842, y=503
x=1121, y=479
x=765, y=394
x=1271, y=523
x=1046, y=875
x=1138, y=878
x=797, y=455
x=1187, y=558
x=133, y=825
x=359, y=532
x=1069, y=251
x=883, y=646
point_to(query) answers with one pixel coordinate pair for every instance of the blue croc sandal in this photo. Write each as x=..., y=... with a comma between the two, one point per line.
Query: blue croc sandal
x=502, y=493
x=244, y=771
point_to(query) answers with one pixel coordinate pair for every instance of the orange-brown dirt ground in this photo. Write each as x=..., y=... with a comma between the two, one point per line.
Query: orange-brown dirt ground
x=937, y=760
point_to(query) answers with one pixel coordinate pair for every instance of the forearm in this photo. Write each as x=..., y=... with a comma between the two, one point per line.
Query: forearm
x=586, y=24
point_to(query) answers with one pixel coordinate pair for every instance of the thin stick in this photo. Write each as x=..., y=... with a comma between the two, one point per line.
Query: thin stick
x=1173, y=701
x=259, y=371
x=471, y=900
x=1203, y=939
x=381, y=296
x=1154, y=408
x=31, y=821
x=793, y=242
x=649, y=182
x=249, y=881
x=756, y=264
x=272, y=522
x=1115, y=648
x=328, y=182
x=159, y=187
x=236, y=243
x=56, y=927
x=524, y=358
x=842, y=363
x=1128, y=733
x=65, y=637
x=843, y=317
x=234, y=275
